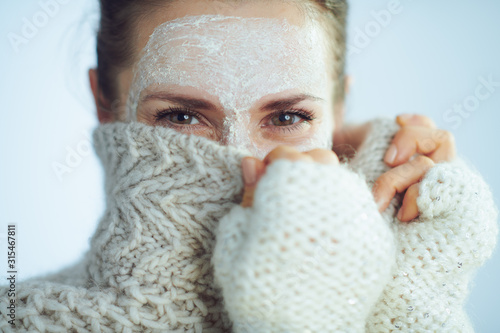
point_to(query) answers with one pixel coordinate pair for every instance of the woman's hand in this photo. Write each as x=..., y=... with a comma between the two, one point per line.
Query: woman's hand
x=254, y=169
x=418, y=135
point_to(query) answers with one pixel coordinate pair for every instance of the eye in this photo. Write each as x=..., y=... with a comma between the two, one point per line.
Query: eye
x=177, y=116
x=182, y=119
x=289, y=118
x=285, y=119
x=289, y=122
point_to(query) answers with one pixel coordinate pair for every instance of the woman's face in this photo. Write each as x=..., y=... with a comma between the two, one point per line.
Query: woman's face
x=253, y=75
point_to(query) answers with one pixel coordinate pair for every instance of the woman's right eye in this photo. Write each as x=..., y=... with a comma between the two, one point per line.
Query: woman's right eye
x=177, y=117
x=182, y=119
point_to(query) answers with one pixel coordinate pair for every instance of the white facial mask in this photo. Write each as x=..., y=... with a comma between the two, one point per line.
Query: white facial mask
x=239, y=61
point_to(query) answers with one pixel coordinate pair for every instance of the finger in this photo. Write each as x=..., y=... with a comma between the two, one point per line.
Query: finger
x=288, y=153
x=409, y=208
x=323, y=156
x=447, y=148
x=252, y=169
x=415, y=120
x=399, y=179
x=437, y=144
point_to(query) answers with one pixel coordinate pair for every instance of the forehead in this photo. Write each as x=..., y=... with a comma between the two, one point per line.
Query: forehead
x=236, y=59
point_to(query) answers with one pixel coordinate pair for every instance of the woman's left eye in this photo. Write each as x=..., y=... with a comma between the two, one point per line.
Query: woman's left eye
x=289, y=119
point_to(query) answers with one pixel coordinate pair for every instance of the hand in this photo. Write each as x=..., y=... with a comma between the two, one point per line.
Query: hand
x=254, y=169
x=418, y=135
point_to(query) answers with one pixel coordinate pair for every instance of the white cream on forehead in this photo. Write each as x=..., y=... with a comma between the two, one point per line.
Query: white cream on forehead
x=237, y=60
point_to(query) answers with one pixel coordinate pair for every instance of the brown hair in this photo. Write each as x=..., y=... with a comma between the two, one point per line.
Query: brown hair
x=120, y=17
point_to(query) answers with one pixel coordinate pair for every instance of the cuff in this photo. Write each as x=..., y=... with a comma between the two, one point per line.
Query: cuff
x=313, y=253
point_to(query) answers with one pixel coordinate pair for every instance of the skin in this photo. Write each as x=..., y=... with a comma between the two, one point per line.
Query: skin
x=418, y=134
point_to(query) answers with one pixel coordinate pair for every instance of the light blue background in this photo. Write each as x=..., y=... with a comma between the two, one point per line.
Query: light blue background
x=426, y=59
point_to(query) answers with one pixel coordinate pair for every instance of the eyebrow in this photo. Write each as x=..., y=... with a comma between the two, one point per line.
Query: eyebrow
x=192, y=103
x=286, y=103
x=196, y=103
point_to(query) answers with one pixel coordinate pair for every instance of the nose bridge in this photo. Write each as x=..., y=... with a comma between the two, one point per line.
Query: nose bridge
x=235, y=134
x=236, y=129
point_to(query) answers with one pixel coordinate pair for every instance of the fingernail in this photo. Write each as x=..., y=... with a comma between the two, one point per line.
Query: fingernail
x=248, y=166
x=400, y=214
x=390, y=156
x=405, y=117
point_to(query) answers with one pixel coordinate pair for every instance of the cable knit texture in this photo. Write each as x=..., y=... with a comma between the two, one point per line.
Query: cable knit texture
x=174, y=252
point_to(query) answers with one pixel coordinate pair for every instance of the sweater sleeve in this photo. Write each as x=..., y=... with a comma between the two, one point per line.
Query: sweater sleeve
x=312, y=255
x=438, y=253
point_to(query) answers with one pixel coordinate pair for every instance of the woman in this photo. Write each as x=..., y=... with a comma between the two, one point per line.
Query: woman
x=307, y=249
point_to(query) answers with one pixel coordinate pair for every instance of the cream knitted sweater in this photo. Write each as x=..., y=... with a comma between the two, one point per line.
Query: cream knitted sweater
x=174, y=251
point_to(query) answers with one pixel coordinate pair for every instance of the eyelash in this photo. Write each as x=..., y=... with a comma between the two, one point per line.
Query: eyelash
x=161, y=114
x=306, y=115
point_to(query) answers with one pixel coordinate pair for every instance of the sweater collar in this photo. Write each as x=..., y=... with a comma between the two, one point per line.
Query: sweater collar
x=165, y=193
x=167, y=190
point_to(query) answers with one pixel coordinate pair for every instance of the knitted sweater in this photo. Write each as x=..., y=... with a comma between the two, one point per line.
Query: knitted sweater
x=175, y=252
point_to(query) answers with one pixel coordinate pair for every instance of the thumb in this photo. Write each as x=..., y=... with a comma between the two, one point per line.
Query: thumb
x=252, y=169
